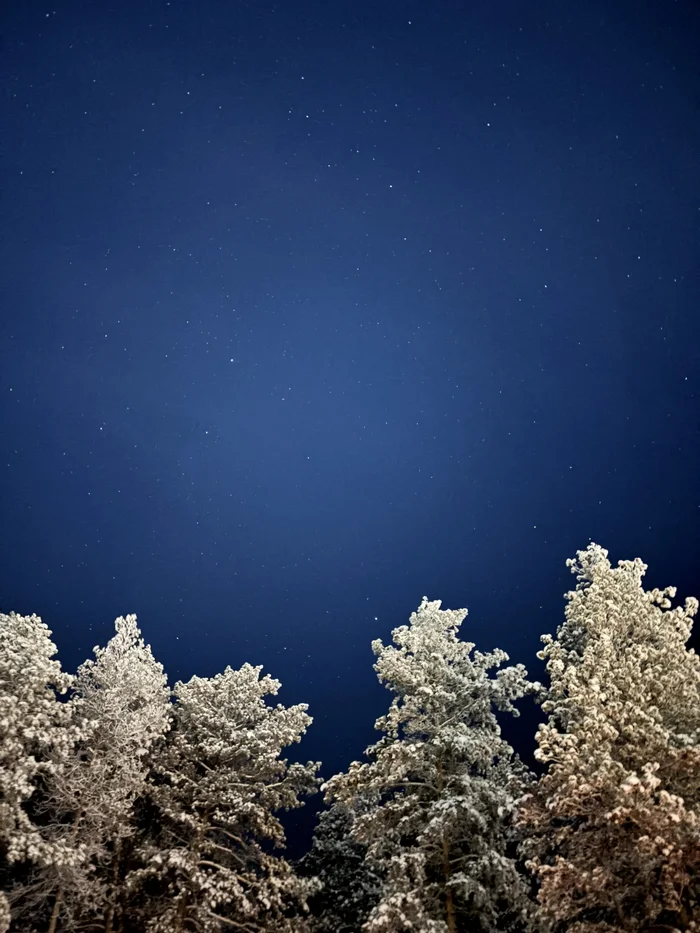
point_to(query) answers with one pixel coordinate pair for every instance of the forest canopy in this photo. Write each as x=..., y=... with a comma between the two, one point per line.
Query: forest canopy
x=127, y=805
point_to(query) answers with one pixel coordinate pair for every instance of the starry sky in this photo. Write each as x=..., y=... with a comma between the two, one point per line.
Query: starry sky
x=311, y=309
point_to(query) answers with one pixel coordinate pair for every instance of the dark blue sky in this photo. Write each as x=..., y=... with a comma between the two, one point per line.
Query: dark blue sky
x=310, y=309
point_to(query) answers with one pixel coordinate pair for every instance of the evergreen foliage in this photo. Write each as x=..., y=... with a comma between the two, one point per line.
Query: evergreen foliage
x=349, y=883
x=442, y=783
x=614, y=824
x=127, y=807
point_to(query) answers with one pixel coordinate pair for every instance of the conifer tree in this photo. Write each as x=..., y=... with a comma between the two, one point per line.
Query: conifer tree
x=614, y=824
x=349, y=882
x=35, y=728
x=217, y=785
x=37, y=738
x=440, y=784
x=120, y=702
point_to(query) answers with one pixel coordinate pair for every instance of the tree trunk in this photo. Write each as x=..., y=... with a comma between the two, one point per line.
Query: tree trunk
x=181, y=912
x=449, y=899
x=109, y=915
x=450, y=915
x=56, y=909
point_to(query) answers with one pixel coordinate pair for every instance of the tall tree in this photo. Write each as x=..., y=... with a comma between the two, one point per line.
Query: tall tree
x=121, y=703
x=216, y=788
x=37, y=738
x=441, y=783
x=614, y=824
x=349, y=882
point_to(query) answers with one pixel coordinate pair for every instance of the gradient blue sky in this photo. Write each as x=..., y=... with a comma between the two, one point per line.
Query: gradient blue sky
x=310, y=309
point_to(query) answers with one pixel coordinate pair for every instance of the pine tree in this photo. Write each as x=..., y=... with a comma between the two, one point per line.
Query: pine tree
x=207, y=864
x=440, y=784
x=614, y=824
x=37, y=738
x=350, y=883
x=121, y=704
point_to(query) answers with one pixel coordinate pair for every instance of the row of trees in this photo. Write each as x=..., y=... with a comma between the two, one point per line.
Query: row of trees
x=125, y=806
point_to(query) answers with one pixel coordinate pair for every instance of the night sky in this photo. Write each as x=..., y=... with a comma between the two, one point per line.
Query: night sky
x=310, y=309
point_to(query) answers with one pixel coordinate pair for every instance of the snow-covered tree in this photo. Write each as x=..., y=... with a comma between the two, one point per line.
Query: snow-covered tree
x=37, y=737
x=614, y=824
x=350, y=883
x=219, y=781
x=440, y=784
x=121, y=703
